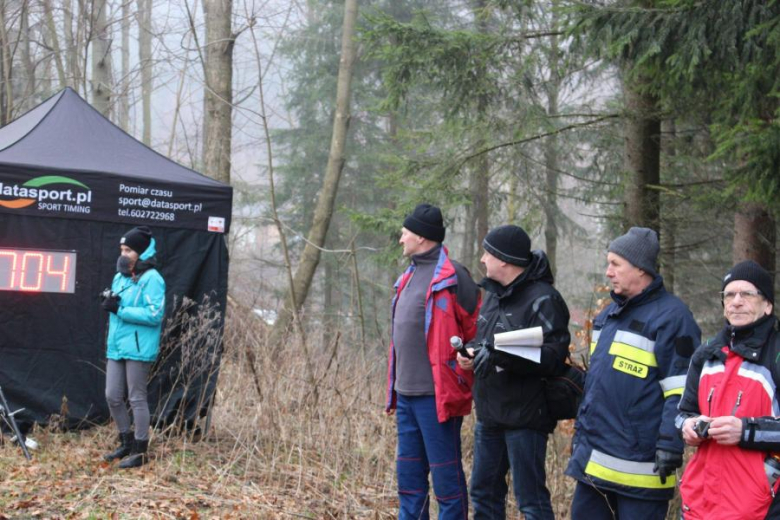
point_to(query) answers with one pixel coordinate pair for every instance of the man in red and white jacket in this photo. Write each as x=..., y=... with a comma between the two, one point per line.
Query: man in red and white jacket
x=435, y=299
x=729, y=406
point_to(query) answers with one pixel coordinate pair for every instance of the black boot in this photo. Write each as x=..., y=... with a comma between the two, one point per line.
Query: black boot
x=137, y=457
x=124, y=449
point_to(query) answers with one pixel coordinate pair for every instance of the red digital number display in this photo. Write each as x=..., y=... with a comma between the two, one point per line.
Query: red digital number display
x=31, y=270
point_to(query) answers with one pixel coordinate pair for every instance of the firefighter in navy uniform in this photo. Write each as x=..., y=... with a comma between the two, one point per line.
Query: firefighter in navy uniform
x=626, y=450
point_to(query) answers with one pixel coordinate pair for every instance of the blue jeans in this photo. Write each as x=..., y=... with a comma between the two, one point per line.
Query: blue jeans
x=590, y=503
x=496, y=450
x=427, y=446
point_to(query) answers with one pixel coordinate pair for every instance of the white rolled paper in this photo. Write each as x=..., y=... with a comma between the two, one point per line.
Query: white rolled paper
x=532, y=337
x=523, y=343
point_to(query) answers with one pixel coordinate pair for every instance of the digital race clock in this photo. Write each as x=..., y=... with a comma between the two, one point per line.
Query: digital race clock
x=33, y=270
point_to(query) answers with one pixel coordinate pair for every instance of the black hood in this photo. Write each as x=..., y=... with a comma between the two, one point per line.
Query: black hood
x=538, y=270
x=747, y=340
x=141, y=266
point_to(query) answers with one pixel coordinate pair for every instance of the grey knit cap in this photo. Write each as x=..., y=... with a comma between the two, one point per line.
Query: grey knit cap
x=640, y=247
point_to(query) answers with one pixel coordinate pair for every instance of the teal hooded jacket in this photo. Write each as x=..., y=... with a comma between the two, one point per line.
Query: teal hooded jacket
x=134, y=331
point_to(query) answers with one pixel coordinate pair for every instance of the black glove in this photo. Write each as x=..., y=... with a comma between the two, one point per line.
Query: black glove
x=111, y=303
x=483, y=364
x=666, y=462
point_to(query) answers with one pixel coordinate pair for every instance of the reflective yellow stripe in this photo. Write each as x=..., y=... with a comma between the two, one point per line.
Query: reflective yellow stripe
x=673, y=385
x=635, y=340
x=673, y=391
x=626, y=472
x=629, y=479
x=594, y=339
x=633, y=353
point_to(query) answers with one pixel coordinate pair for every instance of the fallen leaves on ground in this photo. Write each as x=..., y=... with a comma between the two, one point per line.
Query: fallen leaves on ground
x=67, y=479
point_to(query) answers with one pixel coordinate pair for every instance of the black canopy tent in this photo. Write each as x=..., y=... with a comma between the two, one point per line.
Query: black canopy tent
x=71, y=184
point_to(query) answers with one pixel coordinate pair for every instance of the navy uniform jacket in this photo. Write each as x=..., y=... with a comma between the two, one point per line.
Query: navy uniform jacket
x=640, y=351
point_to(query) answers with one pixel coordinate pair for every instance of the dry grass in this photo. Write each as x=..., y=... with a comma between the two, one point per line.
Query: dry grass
x=284, y=451
x=278, y=447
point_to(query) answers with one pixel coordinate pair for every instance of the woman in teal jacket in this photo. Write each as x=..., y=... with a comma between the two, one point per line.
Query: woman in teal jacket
x=136, y=305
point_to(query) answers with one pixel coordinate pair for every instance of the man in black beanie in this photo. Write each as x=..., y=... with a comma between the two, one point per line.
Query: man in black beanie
x=513, y=420
x=738, y=433
x=626, y=449
x=435, y=299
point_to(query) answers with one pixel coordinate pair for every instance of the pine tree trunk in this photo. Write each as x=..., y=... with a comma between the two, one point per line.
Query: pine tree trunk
x=327, y=197
x=101, y=58
x=48, y=70
x=72, y=46
x=642, y=155
x=54, y=42
x=123, y=108
x=328, y=286
x=481, y=196
x=551, y=155
x=480, y=175
x=331, y=301
x=205, y=59
x=551, y=164
x=668, y=215
x=219, y=89
x=29, y=66
x=513, y=199
x=467, y=251
x=755, y=235
x=145, y=60
x=6, y=69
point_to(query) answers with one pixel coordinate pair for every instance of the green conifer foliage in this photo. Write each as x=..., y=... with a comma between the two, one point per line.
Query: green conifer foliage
x=713, y=60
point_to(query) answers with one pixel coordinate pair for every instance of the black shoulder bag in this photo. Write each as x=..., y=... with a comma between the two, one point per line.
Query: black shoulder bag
x=563, y=393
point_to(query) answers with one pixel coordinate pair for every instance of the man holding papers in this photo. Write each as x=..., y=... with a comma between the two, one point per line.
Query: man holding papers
x=626, y=449
x=522, y=337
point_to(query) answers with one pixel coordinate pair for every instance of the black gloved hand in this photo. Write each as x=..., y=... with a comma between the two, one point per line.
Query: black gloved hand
x=111, y=303
x=483, y=364
x=666, y=462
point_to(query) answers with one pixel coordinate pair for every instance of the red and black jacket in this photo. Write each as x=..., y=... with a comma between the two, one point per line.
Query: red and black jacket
x=734, y=374
x=444, y=318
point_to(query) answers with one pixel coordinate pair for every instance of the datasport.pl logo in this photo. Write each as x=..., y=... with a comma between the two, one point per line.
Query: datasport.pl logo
x=51, y=192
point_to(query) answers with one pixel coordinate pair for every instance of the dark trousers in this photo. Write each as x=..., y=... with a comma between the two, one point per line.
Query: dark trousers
x=498, y=450
x=427, y=446
x=597, y=504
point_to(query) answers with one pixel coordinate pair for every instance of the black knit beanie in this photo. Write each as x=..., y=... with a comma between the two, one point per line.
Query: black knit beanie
x=427, y=222
x=640, y=247
x=137, y=239
x=509, y=244
x=750, y=271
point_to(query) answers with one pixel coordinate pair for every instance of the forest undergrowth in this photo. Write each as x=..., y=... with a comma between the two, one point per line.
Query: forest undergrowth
x=284, y=441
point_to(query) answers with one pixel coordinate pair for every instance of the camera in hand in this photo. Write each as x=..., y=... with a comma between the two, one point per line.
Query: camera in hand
x=702, y=428
x=772, y=468
x=106, y=294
